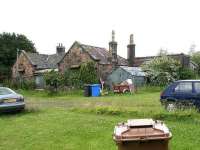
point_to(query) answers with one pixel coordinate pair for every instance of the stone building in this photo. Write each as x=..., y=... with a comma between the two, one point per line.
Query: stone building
x=33, y=65
x=105, y=60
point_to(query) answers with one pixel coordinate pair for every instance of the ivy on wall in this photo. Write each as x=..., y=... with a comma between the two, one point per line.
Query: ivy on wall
x=86, y=74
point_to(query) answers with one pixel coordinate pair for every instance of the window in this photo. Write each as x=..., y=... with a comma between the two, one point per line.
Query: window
x=184, y=87
x=5, y=91
x=197, y=87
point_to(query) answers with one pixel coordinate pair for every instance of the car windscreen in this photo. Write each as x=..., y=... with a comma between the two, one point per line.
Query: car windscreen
x=5, y=91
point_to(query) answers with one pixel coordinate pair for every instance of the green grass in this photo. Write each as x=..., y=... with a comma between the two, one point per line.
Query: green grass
x=72, y=122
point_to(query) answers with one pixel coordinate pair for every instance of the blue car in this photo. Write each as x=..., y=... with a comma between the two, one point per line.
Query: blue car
x=10, y=100
x=181, y=94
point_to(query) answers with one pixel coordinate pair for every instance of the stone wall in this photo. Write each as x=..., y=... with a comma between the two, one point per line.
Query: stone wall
x=25, y=68
x=74, y=58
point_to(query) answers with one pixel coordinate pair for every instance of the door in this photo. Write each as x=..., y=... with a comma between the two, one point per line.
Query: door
x=183, y=91
x=197, y=93
x=39, y=81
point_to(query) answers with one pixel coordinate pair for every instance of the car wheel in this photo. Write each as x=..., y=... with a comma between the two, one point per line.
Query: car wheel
x=170, y=106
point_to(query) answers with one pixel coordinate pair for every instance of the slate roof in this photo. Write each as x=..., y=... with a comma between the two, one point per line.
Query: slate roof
x=134, y=71
x=101, y=54
x=43, y=61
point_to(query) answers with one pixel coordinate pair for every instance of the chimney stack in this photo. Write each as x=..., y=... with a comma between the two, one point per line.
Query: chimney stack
x=131, y=52
x=113, y=51
x=60, y=49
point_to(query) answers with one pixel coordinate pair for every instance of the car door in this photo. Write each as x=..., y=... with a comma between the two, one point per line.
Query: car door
x=183, y=91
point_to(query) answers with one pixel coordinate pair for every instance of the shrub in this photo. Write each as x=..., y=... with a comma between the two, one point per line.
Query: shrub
x=53, y=80
x=28, y=84
x=186, y=73
x=160, y=78
x=162, y=70
x=72, y=78
x=195, y=56
x=20, y=84
x=86, y=74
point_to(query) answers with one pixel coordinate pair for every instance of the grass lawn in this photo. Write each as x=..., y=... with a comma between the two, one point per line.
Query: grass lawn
x=74, y=122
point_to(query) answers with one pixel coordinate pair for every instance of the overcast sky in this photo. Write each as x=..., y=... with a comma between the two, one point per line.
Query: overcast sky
x=168, y=24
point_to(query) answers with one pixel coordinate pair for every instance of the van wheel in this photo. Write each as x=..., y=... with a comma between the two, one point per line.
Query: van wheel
x=170, y=106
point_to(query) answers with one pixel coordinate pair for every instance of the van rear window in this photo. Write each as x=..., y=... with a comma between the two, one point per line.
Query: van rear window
x=184, y=87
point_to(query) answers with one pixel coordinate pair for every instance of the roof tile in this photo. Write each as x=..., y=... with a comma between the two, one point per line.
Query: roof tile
x=43, y=61
x=101, y=54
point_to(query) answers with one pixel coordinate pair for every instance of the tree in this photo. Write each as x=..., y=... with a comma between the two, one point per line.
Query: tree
x=162, y=70
x=9, y=43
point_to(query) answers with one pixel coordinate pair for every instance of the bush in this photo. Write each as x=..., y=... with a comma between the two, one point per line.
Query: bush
x=53, y=80
x=186, y=73
x=28, y=84
x=73, y=78
x=162, y=70
x=20, y=84
x=86, y=74
x=160, y=78
x=195, y=56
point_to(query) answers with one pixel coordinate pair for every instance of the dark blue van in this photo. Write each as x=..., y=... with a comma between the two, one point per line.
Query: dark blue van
x=180, y=94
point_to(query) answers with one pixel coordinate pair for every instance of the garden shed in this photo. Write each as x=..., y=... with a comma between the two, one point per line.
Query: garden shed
x=123, y=73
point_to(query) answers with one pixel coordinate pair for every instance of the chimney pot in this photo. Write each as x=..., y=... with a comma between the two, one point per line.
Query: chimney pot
x=113, y=35
x=131, y=39
x=60, y=49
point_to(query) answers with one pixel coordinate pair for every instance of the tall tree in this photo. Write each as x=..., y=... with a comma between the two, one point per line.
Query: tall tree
x=9, y=43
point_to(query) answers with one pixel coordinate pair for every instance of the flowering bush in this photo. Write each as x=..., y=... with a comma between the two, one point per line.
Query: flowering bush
x=162, y=70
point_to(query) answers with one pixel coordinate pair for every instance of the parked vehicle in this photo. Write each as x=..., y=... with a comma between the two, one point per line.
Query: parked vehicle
x=10, y=100
x=181, y=94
